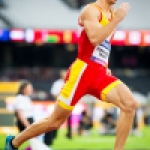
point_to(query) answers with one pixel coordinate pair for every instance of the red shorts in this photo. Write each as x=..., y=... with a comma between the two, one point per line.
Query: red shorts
x=83, y=78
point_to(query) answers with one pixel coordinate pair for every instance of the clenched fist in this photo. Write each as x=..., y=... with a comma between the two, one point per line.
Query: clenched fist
x=121, y=12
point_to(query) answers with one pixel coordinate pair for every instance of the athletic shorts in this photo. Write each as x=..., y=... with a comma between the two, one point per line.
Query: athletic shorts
x=84, y=78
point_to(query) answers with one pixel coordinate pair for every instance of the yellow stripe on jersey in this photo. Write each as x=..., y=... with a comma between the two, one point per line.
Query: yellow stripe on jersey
x=70, y=85
x=104, y=20
x=108, y=88
x=65, y=106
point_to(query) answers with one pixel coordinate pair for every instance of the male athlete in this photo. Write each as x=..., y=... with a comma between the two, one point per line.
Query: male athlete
x=89, y=75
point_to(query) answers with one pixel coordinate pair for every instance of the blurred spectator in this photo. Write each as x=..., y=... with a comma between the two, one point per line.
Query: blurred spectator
x=58, y=84
x=138, y=122
x=23, y=106
x=24, y=109
x=85, y=124
x=54, y=91
x=98, y=113
x=108, y=123
x=147, y=115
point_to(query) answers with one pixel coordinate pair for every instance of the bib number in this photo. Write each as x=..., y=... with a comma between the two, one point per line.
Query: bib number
x=101, y=53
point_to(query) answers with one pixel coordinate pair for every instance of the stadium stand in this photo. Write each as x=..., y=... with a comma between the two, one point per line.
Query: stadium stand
x=32, y=15
x=41, y=18
x=77, y=4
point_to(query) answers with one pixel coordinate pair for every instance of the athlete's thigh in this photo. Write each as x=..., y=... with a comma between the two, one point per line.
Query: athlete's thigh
x=102, y=84
x=121, y=96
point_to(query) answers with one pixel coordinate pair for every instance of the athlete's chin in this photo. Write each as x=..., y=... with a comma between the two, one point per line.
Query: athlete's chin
x=113, y=1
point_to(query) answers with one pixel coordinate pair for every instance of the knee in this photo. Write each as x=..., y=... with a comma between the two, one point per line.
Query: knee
x=54, y=124
x=130, y=105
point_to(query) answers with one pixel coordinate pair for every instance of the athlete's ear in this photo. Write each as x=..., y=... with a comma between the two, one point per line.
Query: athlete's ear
x=80, y=21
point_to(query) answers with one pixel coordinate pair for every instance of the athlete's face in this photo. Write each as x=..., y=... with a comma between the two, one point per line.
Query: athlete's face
x=111, y=2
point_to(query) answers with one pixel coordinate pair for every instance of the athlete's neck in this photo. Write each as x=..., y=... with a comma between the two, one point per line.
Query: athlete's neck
x=104, y=5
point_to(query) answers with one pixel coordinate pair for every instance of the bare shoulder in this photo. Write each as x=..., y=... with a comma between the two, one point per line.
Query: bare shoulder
x=89, y=11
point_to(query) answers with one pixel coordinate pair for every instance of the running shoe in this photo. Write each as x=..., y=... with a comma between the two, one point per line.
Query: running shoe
x=8, y=145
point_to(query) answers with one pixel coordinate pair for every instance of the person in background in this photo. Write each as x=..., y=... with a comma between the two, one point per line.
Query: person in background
x=108, y=123
x=58, y=84
x=85, y=124
x=54, y=91
x=138, y=122
x=23, y=106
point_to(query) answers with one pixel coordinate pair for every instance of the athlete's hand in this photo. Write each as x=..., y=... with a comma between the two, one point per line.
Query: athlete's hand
x=108, y=71
x=121, y=12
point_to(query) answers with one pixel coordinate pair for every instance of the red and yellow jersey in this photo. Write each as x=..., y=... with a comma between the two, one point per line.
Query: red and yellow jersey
x=99, y=54
x=88, y=74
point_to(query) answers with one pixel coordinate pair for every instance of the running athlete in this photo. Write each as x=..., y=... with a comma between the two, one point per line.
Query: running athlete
x=89, y=75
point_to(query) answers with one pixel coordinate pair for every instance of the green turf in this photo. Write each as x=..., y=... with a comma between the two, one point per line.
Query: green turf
x=103, y=142
x=96, y=142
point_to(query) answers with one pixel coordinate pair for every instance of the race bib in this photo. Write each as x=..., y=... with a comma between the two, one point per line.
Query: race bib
x=101, y=53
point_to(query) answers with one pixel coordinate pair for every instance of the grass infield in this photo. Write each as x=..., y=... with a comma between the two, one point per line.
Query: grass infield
x=94, y=142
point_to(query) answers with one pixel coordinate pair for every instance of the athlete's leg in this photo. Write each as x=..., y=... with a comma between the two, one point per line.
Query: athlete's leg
x=121, y=96
x=71, y=92
x=53, y=122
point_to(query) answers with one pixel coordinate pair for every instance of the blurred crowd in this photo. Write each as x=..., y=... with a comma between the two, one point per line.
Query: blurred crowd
x=102, y=120
x=107, y=121
x=33, y=74
x=43, y=78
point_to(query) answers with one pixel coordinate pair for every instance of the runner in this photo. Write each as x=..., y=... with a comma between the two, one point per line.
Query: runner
x=89, y=75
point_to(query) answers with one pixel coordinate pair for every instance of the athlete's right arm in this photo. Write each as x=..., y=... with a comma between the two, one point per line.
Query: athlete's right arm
x=89, y=18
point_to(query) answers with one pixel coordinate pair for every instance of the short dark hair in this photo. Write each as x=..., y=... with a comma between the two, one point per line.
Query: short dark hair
x=22, y=86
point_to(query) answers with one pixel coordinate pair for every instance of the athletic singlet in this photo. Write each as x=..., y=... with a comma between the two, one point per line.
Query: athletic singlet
x=99, y=54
